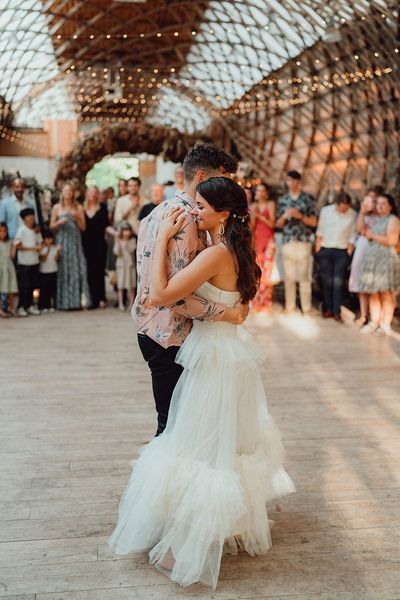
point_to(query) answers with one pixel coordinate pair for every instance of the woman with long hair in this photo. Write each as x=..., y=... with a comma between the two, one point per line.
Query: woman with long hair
x=263, y=218
x=366, y=219
x=94, y=245
x=201, y=487
x=68, y=221
x=381, y=270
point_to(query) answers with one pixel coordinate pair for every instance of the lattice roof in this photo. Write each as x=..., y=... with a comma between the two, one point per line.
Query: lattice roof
x=170, y=61
x=310, y=84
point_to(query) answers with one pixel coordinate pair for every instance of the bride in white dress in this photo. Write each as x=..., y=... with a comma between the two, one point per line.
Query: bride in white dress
x=201, y=488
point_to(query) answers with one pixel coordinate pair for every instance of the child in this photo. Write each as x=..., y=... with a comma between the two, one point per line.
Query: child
x=49, y=255
x=8, y=278
x=124, y=249
x=28, y=243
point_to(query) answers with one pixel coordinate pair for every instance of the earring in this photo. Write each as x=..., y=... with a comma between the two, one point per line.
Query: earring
x=221, y=229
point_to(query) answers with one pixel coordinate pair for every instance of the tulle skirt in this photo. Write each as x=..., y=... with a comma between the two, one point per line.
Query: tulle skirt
x=201, y=487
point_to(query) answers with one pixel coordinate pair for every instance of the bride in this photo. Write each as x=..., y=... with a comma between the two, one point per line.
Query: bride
x=201, y=488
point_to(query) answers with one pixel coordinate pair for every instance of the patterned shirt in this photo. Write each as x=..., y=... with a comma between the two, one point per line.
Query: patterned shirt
x=169, y=326
x=293, y=229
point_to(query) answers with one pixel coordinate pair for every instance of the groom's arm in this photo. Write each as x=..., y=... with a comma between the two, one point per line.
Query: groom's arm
x=182, y=249
x=200, y=309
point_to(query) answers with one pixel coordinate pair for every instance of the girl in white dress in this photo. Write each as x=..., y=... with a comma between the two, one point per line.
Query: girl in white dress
x=124, y=250
x=202, y=486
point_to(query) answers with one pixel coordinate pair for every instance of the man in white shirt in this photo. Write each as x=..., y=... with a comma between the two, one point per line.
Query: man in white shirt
x=336, y=234
x=128, y=207
x=28, y=243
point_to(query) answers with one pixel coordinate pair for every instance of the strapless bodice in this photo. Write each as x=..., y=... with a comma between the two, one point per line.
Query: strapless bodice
x=215, y=294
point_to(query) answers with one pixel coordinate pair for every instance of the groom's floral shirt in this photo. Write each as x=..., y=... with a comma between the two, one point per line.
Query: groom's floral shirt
x=169, y=326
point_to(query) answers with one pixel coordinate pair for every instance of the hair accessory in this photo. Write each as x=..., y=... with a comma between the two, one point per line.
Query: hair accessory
x=243, y=217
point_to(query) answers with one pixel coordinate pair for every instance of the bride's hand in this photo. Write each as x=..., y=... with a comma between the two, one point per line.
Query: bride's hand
x=171, y=223
x=241, y=312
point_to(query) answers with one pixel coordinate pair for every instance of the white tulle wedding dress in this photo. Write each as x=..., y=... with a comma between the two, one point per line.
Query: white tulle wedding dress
x=201, y=488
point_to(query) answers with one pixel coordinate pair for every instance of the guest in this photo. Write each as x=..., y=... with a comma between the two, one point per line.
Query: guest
x=128, y=207
x=124, y=249
x=375, y=191
x=68, y=221
x=367, y=217
x=110, y=231
x=263, y=218
x=122, y=187
x=103, y=197
x=28, y=243
x=10, y=208
x=179, y=185
x=48, y=267
x=249, y=196
x=157, y=195
x=336, y=234
x=94, y=245
x=381, y=271
x=296, y=216
x=8, y=277
x=111, y=201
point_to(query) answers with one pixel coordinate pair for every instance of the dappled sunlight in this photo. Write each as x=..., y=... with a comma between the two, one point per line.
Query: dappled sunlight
x=305, y=327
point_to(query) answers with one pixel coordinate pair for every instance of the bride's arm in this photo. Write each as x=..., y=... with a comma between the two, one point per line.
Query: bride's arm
x=187, y=280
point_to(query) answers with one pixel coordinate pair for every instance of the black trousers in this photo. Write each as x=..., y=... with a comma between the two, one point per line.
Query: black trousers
x=164, y=375
x=48, y=290
x=28, y=280
x=333, y=264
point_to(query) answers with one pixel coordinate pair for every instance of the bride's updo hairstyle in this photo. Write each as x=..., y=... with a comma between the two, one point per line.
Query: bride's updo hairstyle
x=224, y=194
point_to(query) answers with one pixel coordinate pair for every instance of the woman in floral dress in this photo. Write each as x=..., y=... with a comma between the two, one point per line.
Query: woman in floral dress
x=381, y=272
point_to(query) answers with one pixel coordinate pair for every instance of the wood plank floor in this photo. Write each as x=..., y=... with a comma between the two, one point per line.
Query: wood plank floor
x=76, y=405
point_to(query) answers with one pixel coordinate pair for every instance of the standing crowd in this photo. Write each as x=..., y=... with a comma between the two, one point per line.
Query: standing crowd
x=363, y=245
x=65, y=263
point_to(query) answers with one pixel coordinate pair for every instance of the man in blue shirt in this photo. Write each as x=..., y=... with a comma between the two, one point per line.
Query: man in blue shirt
x=179, y=185
x=297, y=217
x=11, y=207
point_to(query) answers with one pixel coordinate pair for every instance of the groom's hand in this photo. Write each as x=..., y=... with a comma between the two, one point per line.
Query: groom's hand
x=236, y=315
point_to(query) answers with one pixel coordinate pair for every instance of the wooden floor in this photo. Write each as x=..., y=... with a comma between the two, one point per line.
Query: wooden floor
x=76, y=405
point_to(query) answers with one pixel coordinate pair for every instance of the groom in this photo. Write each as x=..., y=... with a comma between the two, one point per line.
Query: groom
x=162, y=330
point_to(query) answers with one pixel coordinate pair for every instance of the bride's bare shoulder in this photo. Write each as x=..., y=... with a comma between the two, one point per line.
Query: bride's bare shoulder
x=217, y=251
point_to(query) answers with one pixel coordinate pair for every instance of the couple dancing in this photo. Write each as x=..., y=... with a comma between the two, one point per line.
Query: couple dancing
x=201, y=488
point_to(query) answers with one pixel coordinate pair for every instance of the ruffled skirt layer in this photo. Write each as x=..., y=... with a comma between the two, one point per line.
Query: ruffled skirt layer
x=201, y=488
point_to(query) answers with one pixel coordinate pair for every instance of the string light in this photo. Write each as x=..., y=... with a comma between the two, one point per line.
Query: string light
x=254, y=106
x=117, y=36
x=16, y=137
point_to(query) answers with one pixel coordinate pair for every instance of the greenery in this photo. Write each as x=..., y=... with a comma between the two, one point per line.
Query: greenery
x=110, y=169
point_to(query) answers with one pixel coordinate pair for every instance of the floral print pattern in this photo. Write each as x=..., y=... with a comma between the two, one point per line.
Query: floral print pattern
x=169, y=326
x=295, y=230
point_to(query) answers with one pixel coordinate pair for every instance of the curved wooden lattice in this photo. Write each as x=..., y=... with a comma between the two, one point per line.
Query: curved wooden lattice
x=333, y=114
x=253, y=74
x=110, y=139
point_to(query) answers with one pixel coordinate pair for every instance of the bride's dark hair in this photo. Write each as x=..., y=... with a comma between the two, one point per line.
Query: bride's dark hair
x=223, y=194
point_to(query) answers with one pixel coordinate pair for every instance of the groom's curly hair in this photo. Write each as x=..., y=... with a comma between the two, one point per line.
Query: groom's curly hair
x=209, y=158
